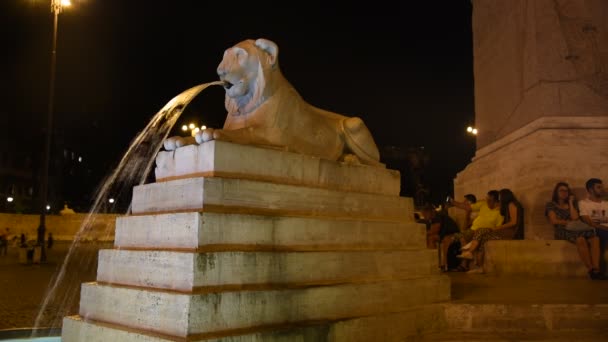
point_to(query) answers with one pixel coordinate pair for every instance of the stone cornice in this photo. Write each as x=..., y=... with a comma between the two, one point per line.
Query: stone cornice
x=547, y=122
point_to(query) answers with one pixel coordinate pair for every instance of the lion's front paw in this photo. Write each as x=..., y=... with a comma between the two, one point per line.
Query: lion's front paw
x=204, y=135
x=169, y=143
x=351, y=159
x=176, y=142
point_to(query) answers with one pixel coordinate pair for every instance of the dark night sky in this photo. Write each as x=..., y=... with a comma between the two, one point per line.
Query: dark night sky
x=404, y=67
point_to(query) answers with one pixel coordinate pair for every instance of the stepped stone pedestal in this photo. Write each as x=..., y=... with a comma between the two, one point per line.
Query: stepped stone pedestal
x=240, y=243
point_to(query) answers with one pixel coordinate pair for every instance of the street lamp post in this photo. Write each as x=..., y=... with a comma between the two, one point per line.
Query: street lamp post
x=56, y=8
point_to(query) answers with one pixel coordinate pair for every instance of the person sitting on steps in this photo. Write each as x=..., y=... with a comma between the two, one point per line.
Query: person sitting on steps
x=488, y=217
x=594, y=212
x=511, y=228
x=455, y=235
x=564, y=216
x=440, y=227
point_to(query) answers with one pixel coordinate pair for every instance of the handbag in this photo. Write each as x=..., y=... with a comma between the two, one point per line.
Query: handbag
x=577, y=226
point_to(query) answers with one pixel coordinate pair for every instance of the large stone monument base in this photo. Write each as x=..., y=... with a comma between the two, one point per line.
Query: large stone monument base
x=239, y=243
x=532, y=159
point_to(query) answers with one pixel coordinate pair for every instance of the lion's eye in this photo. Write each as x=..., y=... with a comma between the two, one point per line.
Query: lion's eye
x=241, y=53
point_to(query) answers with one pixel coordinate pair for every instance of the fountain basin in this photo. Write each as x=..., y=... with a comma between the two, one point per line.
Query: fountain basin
x=22, y=335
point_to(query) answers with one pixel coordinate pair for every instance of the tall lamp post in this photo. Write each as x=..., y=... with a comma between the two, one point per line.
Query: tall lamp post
x=56, y=8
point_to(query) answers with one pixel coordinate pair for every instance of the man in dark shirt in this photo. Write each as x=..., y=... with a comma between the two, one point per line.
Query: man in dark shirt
x=438, y=225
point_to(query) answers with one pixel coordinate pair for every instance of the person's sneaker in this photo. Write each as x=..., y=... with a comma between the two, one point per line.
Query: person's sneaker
x=476, y=270
x=465, y=255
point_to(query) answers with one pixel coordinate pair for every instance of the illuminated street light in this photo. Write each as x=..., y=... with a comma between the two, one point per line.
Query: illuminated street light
x=472, y=130
x=56, y=8
x=111, y=200
x=9, y=199
x=193, y=128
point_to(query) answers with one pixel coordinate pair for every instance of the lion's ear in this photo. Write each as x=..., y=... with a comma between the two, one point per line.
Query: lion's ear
x=270, y=48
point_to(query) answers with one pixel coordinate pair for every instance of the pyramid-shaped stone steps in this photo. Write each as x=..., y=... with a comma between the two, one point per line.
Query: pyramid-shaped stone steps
x=237, y=243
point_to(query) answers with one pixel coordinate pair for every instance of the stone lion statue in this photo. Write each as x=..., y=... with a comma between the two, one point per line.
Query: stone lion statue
x=265, y=109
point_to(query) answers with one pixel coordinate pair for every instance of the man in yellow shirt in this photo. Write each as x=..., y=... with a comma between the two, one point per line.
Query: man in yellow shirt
x=488, y=217
x=488, y=211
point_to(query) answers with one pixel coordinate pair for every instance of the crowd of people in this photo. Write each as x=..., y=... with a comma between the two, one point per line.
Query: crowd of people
x=7, y=239
x=501, y=217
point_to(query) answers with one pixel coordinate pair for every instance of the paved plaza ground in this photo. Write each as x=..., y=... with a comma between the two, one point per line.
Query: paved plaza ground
x=23, y=287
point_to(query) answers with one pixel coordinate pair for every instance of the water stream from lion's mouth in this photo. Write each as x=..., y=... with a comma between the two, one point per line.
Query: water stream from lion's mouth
x=63, y=292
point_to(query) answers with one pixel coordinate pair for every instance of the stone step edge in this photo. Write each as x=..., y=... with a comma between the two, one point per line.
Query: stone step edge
x=218, y=248
x=204, y=290
x=226, y=210
x=589, y=335
x=236, y=196
x=266, y=179
x=233, y=231
x=269, y=164
x=240, y=210
x=203, y=336
x=251, y=330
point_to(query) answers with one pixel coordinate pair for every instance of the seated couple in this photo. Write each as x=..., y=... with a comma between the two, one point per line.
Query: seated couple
x=580, y=228
x=500, y=217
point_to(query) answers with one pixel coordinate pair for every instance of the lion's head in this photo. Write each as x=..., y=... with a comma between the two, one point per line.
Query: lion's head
x=249, y=71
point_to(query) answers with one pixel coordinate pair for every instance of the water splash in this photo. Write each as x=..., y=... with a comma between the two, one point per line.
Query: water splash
x=134, y=167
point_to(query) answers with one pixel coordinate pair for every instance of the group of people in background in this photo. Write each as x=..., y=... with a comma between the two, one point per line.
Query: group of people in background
x=6, y=240
x=501, y=217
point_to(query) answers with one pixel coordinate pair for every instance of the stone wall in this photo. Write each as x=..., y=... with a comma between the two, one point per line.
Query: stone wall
x=63, y=227
x=538, y=58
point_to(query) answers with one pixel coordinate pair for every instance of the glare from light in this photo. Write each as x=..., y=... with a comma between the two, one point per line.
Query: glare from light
x=80, y=159
x=469, y=129
x=195, y=130
x=474, y=131
x=203, y=127
x=66, y=3
x=48, y=207
x=184, y=128
x=111, y=200
x=191, y=126
x=9, y=199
